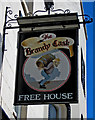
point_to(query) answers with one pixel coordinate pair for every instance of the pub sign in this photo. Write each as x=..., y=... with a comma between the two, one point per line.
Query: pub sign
x=47, y=67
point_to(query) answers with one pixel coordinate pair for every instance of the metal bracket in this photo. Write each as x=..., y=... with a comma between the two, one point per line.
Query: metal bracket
x=8, y=23
x=86, y=19
x=8, y=19
x=52, y=10
x=49, y=6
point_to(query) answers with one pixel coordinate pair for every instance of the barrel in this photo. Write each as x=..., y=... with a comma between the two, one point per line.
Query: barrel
x=45, y=60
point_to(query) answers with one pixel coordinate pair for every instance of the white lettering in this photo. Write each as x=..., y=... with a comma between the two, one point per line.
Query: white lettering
x=46, y=96
x=70, y=95
x=52, y=96
x=35, y=97
x=20, y=97
x=29, y=97
x=26, y=97
x=55, y=96
x=38, y=97
x=64, y=96
x=58, y=96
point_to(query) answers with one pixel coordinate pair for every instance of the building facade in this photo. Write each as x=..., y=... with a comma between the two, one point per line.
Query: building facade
x=8, y=61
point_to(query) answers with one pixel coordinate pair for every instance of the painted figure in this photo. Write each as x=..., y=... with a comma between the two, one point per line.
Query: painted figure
x=47, y=64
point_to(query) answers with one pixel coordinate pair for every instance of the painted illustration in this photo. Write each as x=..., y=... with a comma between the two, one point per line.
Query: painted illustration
x=46, y=68
x=48, y=72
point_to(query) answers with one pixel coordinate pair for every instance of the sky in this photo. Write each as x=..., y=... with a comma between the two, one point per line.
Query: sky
x=88, y=9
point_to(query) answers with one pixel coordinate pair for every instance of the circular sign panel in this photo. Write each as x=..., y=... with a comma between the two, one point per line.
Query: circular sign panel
x=48, y=72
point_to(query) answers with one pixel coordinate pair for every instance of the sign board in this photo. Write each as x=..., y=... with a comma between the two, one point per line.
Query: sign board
x=47, y=67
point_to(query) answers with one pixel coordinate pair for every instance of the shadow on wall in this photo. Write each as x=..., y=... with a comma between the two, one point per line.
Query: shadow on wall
x=0, y=51
x=0, y=61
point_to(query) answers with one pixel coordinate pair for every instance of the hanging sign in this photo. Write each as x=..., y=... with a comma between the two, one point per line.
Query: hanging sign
x=47, y=67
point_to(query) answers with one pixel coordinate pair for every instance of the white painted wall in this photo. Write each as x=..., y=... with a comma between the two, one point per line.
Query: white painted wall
x=37, y=111
x=9, y=62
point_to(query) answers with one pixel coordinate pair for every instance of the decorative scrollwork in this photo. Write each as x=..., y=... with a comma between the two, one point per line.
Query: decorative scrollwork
x=60, y=10
x=38, y=11
x=66, y=11
x=87, y=19
x=52, y=10
x=10, y=12
x=10, y=17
